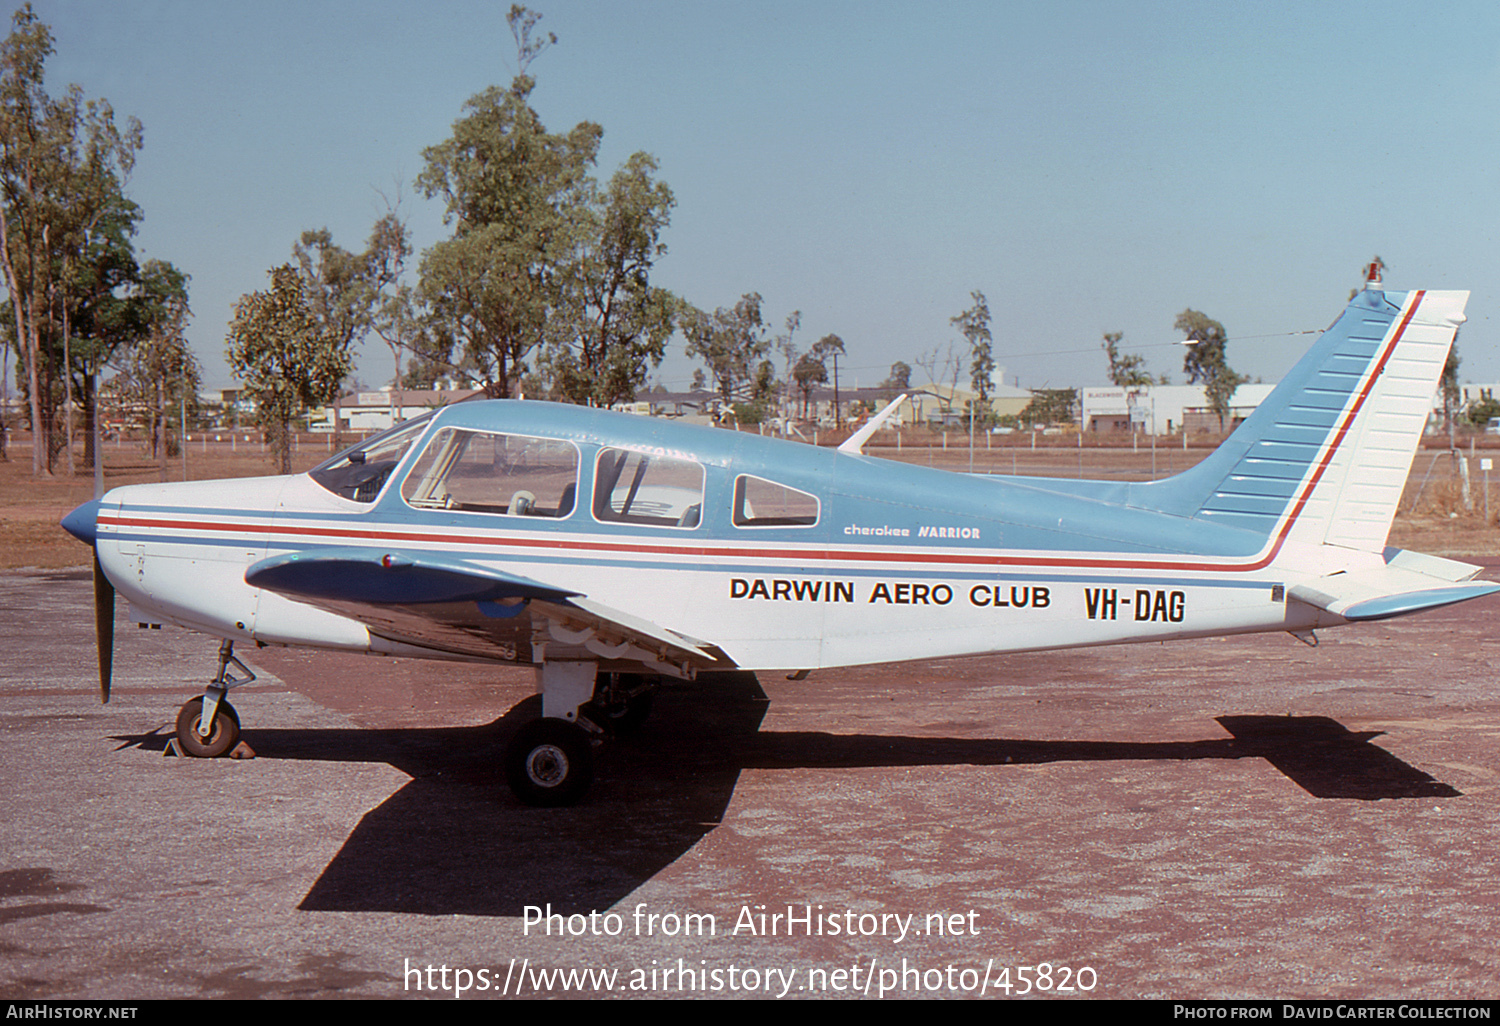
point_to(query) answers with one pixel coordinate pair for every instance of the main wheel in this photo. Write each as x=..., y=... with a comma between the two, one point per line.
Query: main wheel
x=550, y=762
x=224, y=735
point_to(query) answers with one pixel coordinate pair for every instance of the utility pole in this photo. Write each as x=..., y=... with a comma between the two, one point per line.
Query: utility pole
x=837, y=422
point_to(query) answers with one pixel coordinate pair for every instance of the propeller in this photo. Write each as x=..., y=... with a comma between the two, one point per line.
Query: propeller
x=104, y=626
x=83, y=524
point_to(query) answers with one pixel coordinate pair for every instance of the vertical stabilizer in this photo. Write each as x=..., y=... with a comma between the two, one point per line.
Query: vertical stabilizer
x=1325, y=458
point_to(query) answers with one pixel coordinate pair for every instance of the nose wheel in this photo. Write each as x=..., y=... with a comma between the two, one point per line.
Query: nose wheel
x=208, y=727
x=223, y=734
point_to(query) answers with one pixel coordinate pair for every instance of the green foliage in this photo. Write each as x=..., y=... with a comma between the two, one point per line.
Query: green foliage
x=545, y=271
x=517, y=197
x=762, y=393
x=974, y=325
x=1051, y=406
x=730, y=341
x=826, y=347
x=749, y=414
x=393, y=306
x=521, y=22
x=1480, y=412
x=763, y=387
x=285, y=356
x=612, y=325
x=1205, y=362
x=62, y=162
x=898, y=380
x=808, y=374
x=158, y=372
x=1125, y=371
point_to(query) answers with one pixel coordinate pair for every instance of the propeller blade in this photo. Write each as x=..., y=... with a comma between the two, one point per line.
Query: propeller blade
x=104, y=626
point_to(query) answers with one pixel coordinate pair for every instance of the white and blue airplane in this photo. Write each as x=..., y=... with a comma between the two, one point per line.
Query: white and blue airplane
x=611, y=551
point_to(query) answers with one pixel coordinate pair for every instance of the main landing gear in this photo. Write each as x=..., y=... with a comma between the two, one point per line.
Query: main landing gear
x=550, y=761
x=208, y=727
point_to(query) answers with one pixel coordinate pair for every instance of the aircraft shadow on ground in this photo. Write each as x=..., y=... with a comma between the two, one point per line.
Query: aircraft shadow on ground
x=454, y=841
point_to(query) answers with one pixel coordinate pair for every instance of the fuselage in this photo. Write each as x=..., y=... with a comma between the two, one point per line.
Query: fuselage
x=783, y=555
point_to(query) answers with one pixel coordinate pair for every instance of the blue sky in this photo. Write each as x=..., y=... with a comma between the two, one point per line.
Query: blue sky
x=1090, y=166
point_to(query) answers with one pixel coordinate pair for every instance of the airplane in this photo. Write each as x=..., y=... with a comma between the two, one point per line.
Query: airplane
x=612, y=552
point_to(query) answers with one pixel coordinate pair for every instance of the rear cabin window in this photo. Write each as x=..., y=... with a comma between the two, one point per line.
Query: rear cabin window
x=645, y=488
x=483, y=472
x=762, y=503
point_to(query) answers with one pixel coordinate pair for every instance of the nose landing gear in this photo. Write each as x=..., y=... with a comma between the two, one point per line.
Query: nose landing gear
x=208, y=727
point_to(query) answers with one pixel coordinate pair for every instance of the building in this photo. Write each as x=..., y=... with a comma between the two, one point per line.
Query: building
x=942, y=406
x=1165, y=409
x=376, y=411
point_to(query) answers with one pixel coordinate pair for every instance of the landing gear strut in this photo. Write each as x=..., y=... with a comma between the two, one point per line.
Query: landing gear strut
x=208, y=727
x=622, y=701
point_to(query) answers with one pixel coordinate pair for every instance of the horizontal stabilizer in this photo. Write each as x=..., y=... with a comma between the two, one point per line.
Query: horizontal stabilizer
x=1408, y=583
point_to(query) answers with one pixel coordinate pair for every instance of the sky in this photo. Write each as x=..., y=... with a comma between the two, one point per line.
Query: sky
x=1090, y=166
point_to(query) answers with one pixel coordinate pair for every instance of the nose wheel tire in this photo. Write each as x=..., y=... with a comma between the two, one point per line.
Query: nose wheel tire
x=221, y=739
x=549, y=763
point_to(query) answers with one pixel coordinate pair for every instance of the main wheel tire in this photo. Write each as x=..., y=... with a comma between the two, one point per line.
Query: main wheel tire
x=549, y=763
x=222, y=738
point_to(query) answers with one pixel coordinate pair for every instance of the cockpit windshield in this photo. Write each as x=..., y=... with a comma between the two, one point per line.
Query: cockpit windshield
x=361, y=471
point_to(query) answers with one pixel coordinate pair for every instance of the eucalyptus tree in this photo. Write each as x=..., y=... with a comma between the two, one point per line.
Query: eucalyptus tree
x=111, y=307
x=731, y=342
x=1126, y=370
x=288, y=360
x=808, y=374
x=612, y=324
x=831, y=347
x=546, y=275
x=62, y=162
x=515, y=195
x=898, y=380
x=974, y=325
x=1206, y=362
x=352, y=293
x=787, y=347
x=158, y=371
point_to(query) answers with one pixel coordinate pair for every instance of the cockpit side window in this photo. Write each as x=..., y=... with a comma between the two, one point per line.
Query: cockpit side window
x=762, y=503
x=361, y=471
x=484, y=472
x=646, y=488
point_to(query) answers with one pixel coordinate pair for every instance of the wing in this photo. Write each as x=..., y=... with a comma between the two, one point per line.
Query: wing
x=1408, y=583
x=455, y=607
